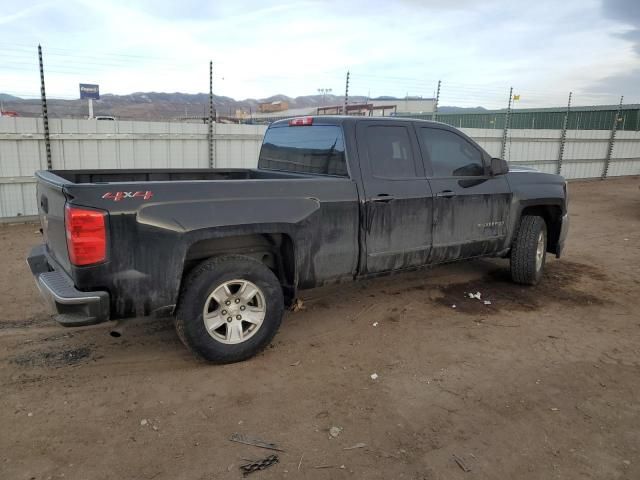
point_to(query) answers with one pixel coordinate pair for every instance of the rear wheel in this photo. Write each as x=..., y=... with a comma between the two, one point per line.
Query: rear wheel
x=529, y=250
x=229, y=309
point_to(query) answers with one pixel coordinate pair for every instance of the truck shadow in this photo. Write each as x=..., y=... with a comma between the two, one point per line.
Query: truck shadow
x=564, y=282
x=154, y=339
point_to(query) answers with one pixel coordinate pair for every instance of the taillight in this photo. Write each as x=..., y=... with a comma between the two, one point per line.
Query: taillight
x=86, y=235
x=301, y=121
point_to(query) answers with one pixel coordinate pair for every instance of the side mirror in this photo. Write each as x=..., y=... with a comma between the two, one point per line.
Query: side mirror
x=499, y=166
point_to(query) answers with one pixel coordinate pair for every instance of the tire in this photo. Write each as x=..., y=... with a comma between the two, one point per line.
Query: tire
x=232, y=340
x=527, y=262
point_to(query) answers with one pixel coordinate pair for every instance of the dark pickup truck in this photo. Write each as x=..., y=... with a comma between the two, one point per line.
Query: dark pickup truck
x=333, y=199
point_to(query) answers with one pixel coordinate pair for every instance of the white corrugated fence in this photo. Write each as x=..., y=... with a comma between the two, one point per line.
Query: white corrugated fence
x=95, y=144
x=91, y=144
x=584, y=152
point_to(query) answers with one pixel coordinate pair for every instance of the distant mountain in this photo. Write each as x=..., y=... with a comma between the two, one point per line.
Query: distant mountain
x=171, y=106
x=160, y=105
x=4, y=97
x=446, y=109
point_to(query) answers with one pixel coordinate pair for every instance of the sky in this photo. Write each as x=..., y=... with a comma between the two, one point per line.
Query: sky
x=543, y=49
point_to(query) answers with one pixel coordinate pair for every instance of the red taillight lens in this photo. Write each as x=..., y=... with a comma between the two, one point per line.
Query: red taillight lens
x=300, y=121
x=86, y=235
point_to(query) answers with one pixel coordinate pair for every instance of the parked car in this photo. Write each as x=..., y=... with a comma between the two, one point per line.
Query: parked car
x=333, y=199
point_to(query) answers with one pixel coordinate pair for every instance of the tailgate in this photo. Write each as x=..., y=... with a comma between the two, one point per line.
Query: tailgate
x=51, y=204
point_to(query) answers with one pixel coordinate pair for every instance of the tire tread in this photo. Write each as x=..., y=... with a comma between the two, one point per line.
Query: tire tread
x=523, y=262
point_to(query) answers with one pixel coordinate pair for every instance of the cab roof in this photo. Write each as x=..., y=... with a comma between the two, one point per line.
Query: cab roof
x=342, y=119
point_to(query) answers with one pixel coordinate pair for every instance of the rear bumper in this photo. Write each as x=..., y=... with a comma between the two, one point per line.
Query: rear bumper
x=71, y=307
x=564, y=230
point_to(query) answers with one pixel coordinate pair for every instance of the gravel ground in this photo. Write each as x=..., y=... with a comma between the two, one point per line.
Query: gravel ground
x=543, y=383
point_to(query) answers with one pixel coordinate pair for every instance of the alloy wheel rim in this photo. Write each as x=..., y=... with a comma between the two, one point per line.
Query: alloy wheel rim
x=234, y=311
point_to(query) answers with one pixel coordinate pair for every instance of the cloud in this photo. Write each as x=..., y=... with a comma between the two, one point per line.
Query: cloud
x=627, y=12
x=627, y=84
x=624, y=77
x=479, y=49
x=23, y=12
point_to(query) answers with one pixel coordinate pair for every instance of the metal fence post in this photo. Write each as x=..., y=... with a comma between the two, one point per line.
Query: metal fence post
x=210, y=133
x=434, y=115
x=506, y=125
x=346, y=94
x=563, y=136
x=45, y=114
x=612, y=139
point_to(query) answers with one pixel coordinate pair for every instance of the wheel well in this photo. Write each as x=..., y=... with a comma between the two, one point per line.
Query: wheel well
x=275, y=250
x=552, y=215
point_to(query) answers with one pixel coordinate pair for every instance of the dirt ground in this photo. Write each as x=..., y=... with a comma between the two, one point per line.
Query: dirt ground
x=543, y=383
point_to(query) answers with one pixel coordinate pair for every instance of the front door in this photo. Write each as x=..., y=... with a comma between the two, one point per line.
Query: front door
x=471, y=207
x=398, y=200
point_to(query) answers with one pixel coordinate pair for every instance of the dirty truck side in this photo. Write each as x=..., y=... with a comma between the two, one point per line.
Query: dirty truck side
x=333, y=199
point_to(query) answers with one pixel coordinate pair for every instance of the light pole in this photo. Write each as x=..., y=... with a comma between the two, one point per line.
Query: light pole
x=324, y=92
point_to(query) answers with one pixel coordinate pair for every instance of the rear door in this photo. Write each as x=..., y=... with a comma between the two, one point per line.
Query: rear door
x=397, y=200
x=471, y=206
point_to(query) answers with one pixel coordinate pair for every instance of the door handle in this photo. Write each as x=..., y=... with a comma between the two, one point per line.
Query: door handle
x=446, y=194
x=382, y=198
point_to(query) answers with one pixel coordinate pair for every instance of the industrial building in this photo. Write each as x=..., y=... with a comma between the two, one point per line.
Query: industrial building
x=381, y=106
x=580, y=118
x=271, y=107
x=413, y=105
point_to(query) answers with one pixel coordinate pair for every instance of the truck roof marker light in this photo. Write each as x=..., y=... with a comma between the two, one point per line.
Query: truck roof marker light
x=301, y=121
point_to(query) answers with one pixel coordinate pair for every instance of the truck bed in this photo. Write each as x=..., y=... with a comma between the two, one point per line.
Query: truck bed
x=160, y=222
x=169, y=175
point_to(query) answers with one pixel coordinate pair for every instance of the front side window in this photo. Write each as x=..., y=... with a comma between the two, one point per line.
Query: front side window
x=317, y=149
x=389, y=149
x=450, y=154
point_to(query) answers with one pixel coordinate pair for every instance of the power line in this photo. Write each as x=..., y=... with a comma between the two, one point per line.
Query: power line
x=79, y=67
x=74, y=52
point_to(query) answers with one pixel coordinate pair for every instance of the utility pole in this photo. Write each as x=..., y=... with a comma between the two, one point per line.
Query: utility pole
x=434, y=115
x=563, y=136
x=507, y=119
x=346, y=94
x=211, y=152
x=612, y=140
x=45, y=114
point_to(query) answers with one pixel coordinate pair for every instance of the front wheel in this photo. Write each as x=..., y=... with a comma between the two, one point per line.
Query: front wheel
x=230, y=308
x=529, y=250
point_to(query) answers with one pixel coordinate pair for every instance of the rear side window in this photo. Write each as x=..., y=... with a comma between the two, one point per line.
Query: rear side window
x=389, y=149
x=450, y=154
x=317, y=149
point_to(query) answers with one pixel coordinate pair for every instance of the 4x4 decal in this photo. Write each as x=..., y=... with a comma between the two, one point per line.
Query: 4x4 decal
x=117, y=196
